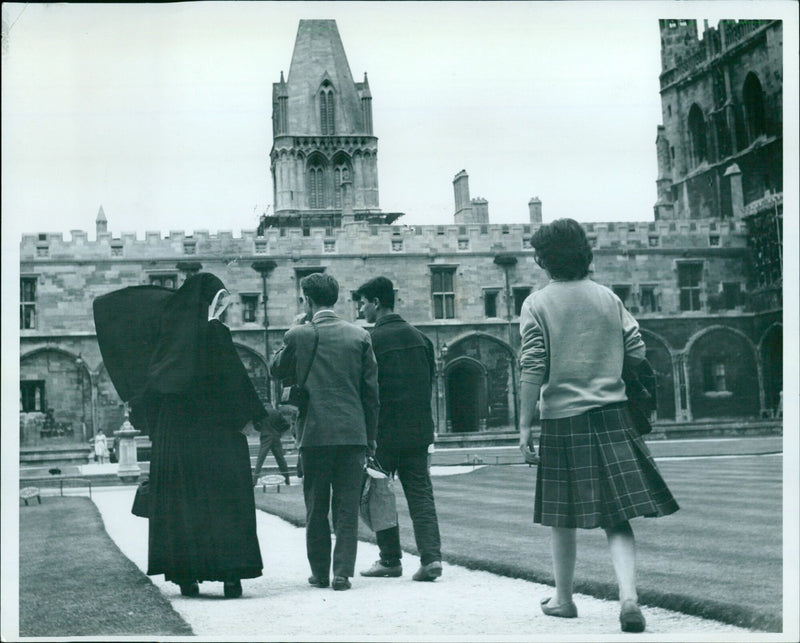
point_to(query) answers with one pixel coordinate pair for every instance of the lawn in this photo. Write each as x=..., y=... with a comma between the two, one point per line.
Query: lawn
x=719, y=557
x=73, y=579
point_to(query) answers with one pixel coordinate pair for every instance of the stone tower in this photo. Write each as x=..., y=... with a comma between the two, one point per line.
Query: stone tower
x=324, y=158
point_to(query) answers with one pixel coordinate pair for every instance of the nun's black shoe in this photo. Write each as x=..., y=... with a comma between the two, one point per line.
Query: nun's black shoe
x=233, y=589
x=318, y=582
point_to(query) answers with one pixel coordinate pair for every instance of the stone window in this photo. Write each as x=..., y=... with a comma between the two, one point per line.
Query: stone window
x=690, y=281
x=42, y=251
x=316, y=185
x=714, y=377
x=623, y=291
x=753, y=99
x=526, y=243
x=27, y=302
x=116, y=249
x=306, y=231
x=462, y=230
x=592, y=239
x=249, y=307
x=165, y=280
x=326, y=115
x=189, y=248
x=697, y=135
x=442, y=292
x=648, y=300
x=484, y=229
x=440, y=230
x=731, y=295
x=505, y=229
x=397, y=245
x=329, y=245
x=463, y=244
x=713, y=240
x=653, y=241
x=520, y=295
x=31, y=396
x=261, y=247
x=490, y=298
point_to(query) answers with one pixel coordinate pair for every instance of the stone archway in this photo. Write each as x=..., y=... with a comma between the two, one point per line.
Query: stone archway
x=55, y=398
x=465, y=383
x=771, y=349
x=660, y=359
x=723, y=375
x=256, y=369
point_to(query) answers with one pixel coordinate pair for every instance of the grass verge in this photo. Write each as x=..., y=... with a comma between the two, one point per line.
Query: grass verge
x=74, y=581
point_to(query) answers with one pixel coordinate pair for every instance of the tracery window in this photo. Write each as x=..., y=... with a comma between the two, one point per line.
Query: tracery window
x=697, y=135
x=753, y=99
x=316, y=186
x=326, y=115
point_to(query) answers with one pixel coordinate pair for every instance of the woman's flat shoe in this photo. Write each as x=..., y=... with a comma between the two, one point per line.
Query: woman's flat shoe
x=631, y=618
x=566, y=610
x=233, y=589
x=190, y=589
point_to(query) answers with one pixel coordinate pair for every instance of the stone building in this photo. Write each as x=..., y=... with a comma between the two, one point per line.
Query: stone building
x=701, y=280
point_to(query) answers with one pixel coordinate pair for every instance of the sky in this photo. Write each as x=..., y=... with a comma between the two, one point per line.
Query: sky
x=161, y=113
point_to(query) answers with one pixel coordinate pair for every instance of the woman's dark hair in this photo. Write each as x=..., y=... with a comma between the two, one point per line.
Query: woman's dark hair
x=321, y=288
x=561, y=248
x=379, y=287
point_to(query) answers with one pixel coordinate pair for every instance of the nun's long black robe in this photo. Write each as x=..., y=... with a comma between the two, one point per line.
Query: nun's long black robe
x=202, y=512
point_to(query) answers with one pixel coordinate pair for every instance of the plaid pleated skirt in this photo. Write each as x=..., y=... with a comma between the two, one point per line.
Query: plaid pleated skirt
x=596, y=471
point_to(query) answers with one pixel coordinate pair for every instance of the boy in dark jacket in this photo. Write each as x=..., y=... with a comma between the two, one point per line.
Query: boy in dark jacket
x=406, y=369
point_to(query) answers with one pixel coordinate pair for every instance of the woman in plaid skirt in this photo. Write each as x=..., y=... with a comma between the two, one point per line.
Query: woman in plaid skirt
x=594, y=469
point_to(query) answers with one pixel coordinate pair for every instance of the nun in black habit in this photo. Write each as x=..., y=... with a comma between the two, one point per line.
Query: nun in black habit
x=195, y=397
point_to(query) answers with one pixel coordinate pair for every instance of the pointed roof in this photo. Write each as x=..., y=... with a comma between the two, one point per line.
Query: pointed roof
x=101, y=216
x=318, y=55
x=365, y=93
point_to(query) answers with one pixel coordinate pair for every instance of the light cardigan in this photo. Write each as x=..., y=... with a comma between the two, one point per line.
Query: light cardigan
x=575, y=335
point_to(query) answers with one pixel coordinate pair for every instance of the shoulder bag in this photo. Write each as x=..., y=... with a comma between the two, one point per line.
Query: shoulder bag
x=298, y=394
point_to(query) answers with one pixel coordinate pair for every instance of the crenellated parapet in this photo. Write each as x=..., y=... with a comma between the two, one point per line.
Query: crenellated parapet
x=366, y=239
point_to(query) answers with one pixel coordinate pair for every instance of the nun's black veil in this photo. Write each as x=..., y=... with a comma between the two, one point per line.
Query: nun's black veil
x=153, y=339
x=178, y=361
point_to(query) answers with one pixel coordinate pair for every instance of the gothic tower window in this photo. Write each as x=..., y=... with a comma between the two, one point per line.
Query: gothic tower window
x=753, y=99
x=326, y=115
x=316, y=185
x=697, y=135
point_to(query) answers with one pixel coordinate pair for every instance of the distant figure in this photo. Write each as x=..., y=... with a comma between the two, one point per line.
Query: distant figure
x=406, y=367
x=270, y=429
x=594, y=469
x=100, y=447
x=337, y=427
x=193, y=394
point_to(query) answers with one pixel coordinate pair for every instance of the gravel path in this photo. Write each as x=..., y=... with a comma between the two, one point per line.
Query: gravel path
x=462, y=604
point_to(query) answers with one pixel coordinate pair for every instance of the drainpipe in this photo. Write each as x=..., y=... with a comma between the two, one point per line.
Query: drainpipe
x=507, y=260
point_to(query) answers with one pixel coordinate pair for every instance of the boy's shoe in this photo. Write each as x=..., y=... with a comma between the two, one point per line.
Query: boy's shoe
x=429, y=572
x=381, y=570
x=341, y=583
x=318, y=582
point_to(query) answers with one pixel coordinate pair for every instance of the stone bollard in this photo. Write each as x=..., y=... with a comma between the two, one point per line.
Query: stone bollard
x=128, y=468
